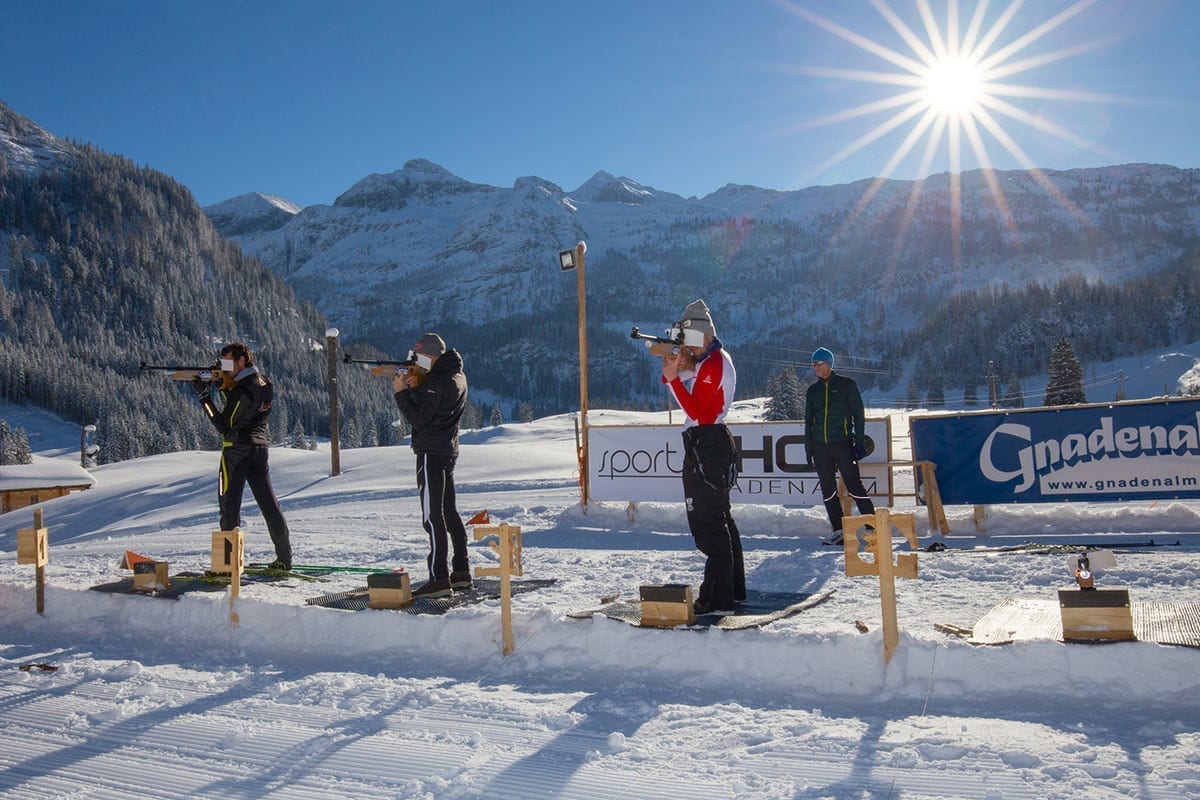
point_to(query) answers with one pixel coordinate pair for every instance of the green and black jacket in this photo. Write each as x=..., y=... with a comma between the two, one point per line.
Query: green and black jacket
x=834, y=412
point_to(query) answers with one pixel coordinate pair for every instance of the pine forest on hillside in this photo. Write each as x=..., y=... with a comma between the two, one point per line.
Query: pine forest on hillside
x=110, y=265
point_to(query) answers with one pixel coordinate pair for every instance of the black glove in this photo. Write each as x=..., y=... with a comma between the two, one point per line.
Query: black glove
x=808, y=454
x=860, y=451
x=203, y=389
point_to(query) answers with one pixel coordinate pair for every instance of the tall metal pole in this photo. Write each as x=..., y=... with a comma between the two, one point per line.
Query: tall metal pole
x=335, y=465
x=580, y=249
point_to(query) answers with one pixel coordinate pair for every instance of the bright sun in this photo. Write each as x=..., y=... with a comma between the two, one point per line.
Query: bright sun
x=954, y=86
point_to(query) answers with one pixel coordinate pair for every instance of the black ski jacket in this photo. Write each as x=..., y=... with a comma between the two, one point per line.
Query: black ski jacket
x=243, y=417
x=434, y=408
x=834, y=411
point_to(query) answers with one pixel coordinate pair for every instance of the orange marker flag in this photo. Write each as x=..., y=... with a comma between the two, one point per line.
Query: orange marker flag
x=130, y=558
x=481, y=518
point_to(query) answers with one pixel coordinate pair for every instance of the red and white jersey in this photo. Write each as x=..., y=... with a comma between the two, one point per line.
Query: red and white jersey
x=705, y=396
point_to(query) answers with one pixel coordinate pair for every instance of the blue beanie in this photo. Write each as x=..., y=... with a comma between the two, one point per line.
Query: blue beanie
x=823, y=354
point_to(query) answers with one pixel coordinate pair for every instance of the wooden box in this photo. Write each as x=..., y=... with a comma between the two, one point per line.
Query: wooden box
x=388, y=590
x=33, y=546
x=151, y=576
x=227, y=551
x=1088, y=615
x=667, y=605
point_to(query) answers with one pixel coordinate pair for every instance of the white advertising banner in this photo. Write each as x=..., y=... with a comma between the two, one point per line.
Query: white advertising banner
x=643, y=463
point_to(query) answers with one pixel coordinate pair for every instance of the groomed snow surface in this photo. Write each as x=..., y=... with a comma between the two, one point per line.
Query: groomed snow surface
x=168, y=699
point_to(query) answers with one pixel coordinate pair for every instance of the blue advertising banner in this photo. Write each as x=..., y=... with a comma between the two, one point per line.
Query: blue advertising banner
x=1143, y=450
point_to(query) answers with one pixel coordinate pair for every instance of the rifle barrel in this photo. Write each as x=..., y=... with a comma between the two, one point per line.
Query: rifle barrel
x=637, y=334
x=381, y=362
x=173, y=368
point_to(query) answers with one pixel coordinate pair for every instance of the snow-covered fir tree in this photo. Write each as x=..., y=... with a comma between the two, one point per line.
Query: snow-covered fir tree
x=1065, y=384
x=785, y=398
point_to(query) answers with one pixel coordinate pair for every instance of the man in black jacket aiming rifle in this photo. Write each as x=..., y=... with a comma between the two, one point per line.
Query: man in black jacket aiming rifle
x=432, y=399
x=835, y=438
x=245, y=445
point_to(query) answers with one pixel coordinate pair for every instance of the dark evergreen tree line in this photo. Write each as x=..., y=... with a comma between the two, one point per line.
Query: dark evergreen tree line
x=109, y=265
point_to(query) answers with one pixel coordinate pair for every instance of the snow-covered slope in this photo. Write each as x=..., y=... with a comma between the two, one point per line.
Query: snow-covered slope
x=170, y=699
x=249, y=213
x=27, y=147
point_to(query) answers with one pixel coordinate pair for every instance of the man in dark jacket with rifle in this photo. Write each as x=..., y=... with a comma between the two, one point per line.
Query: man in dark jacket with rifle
x=835, y=439
x=432, y=401
x=245, y=446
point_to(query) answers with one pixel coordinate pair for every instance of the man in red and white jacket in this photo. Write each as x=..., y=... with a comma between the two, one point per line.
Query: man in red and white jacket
x=710, y=456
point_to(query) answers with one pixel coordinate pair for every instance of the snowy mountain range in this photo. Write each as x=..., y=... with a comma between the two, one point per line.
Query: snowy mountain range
x=856, y=266
x=920, y=287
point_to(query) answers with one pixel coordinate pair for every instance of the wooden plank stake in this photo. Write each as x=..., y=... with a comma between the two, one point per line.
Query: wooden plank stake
x=43, y=557
x=228, y=555
x=879, y=543
x=33, y=547
x=980, y=519
x=887, y=582
x=933, y=499
x=509, y=550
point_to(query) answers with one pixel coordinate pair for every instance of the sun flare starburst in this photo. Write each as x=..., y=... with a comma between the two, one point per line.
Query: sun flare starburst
x=952, y=88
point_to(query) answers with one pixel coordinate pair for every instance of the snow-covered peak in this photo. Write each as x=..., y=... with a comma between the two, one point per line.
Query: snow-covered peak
x=27, y=147
x=419, y=178
x=603, y=187
x=252, y=212
x=533, y=183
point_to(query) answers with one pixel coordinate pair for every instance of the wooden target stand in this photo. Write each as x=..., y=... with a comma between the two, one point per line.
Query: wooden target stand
x=507, y=545
x=879, y=544
x=229, y=558
x=33, y=547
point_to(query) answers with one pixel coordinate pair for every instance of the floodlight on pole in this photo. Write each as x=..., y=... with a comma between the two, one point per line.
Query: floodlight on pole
x=331, y=340
x=574, y=260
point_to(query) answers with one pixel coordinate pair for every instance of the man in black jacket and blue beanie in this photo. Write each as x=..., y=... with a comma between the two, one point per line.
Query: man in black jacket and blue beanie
x=433, y=402
x=245, y=446
x=835, y=438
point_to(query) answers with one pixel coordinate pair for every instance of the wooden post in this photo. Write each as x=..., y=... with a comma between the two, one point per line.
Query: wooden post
x=228, y=555
x=33, y=547
x=980, y=519
x=879, y=542
x=887, y=582
x=580, y=249
x=933, y=498
x=508, y=547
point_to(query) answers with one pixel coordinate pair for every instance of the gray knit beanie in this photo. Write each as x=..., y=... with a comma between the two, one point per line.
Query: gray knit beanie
x=696, y=316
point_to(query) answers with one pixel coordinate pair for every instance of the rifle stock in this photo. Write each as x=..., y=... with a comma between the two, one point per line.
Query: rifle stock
x=213, y=374
x=387, y=369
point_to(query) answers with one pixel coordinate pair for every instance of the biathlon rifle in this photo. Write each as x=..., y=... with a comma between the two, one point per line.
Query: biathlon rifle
x=388, y=369
x=213, y=374
x=665, y=347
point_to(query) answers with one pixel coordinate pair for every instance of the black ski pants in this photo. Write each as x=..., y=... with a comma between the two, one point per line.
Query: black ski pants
x=439, y=515
x=709, y=472
x=830, y=458
x=249, y=463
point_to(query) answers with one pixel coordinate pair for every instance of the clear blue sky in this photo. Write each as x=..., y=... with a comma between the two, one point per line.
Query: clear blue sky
x=302, y=98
